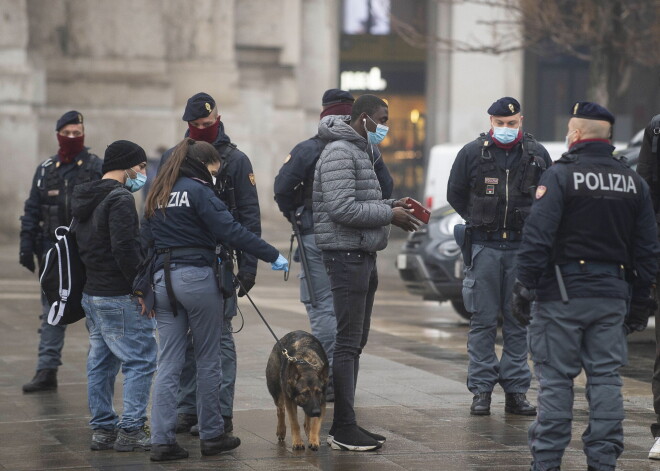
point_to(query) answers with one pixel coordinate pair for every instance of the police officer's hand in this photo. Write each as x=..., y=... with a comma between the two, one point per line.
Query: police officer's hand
x=638, y=314
x=404, y=219
x=27, y=260
x=246, y=280
x=521, y=301
x=281, y=264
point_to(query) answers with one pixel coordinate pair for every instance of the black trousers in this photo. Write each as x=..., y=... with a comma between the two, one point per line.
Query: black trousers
x=655, y=382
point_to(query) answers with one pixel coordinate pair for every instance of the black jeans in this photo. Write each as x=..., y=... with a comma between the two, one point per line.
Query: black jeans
x=353, y=279
x=655, y=382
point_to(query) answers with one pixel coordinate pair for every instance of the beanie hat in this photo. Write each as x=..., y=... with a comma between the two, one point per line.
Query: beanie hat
x=122, y=155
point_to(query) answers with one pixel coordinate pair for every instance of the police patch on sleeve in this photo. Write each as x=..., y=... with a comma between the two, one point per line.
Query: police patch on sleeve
x=540, y=191
x=252, y=180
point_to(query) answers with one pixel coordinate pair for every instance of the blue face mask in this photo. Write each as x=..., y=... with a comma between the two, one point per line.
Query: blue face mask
x=505, y=135
x=134, y=184
x=377, y=137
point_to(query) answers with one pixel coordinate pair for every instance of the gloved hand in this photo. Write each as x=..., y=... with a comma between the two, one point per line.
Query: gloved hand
x=281, y=264
x=638, y=314
x=27, y=260
x=521, y=301
x=247, y=280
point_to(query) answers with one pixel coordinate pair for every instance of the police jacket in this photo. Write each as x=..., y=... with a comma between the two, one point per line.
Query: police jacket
x=492, y=188
x=49, y=203
x=237, y=189
x=593, y=217
x=349, y=210
x=108, y=236
x=195, y=217
x=293, y=183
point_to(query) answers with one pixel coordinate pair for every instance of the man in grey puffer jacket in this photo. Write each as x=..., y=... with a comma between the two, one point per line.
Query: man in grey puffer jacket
x=351, y=223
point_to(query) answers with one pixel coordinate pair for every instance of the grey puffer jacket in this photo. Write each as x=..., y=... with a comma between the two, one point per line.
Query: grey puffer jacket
x=349, y=212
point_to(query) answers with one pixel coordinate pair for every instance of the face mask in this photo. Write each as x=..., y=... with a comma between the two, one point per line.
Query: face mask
x=377, y=137
x=505, y=135
x=134, y=184
x=568, y=143
x=69, y=147
x=208, y=134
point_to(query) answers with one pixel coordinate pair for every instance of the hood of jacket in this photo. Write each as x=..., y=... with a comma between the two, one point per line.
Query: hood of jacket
x=336, y=128
x=87, y=196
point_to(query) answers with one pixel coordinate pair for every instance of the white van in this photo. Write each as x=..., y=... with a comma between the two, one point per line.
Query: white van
x=442, y=158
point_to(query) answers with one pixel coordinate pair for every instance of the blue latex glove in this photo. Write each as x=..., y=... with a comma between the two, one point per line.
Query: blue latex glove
x=281, y=264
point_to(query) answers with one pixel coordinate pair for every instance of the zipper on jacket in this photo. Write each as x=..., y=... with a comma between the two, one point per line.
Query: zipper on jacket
x=506, y=204
x=66, y=200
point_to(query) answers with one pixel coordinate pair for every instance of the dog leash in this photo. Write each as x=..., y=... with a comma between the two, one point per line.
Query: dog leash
x=299, y=361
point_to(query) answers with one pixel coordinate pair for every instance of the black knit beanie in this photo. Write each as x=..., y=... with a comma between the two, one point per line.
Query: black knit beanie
x=122, y=155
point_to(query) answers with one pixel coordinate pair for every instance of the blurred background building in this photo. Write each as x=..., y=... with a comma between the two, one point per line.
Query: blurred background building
x=129, y=65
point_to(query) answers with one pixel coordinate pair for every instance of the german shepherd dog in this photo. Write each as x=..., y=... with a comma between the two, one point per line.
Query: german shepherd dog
x=301, y=380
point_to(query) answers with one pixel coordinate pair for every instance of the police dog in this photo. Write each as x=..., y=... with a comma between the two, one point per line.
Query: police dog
x=299, y=378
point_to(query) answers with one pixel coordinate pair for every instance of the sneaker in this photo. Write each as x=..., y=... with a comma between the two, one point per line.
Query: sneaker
x=44, y=380
x=379, y=438
x=214, y=446
x=166, y=452
x=139, y=439
x=654, y=454
x=517, y=403
x=481, y=404
x=103, y=439
x=351, y=438
x=229, y=426
x=184, y=422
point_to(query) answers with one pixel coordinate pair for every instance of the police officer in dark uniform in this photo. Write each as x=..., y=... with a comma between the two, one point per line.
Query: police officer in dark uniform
x=236, y=186
x=589, y=251
x=48, y=207
x=293, y=194
x=491, y=185
x=648, y=168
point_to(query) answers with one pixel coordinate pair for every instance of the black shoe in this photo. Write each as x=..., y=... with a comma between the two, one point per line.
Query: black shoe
x=44, y=380
x=229, y=426
x=517, y=403
x=351, y=438
x=165, y=452
x=103, y=439
x=379, y=438
x=139, y=439
x=224, y=442
x=481, y=404
x=184, y=422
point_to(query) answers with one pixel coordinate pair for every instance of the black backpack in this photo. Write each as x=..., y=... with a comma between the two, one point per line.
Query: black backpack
x=63, y=278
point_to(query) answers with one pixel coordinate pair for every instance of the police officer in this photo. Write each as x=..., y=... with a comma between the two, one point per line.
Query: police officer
x=589, y=242
x=491, y=186
x=293, y=194
x=48, y=207
x=648, y=169
x=236, y=186
x=187, y=221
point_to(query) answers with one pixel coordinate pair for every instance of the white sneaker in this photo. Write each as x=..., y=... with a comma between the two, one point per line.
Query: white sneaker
x=654, y=454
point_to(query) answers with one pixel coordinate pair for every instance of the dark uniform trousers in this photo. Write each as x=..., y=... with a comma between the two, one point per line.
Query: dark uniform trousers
x=586, y=333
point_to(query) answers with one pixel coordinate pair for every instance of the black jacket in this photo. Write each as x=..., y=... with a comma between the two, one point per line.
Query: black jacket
x=108, y=236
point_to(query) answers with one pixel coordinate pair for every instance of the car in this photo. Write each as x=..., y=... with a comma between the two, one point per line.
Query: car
x=430, y=262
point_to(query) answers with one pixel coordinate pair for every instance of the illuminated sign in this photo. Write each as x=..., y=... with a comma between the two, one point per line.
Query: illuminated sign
x=360, y=80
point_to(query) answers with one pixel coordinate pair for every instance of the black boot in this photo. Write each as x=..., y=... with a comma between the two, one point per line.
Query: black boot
x=44, y=380
x=517, y=403
x=165, y=452
x=481, y=404
x=229, y=426
x=214, y=446
x=184, y=422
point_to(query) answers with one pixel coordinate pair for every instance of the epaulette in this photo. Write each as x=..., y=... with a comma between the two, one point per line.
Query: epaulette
x=622, y=159
x=48, y=162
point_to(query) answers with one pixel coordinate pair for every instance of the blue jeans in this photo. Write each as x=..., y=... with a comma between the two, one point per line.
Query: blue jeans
x=199, y=307
x=354, y=280
x=322, y=320
x=119, y=336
